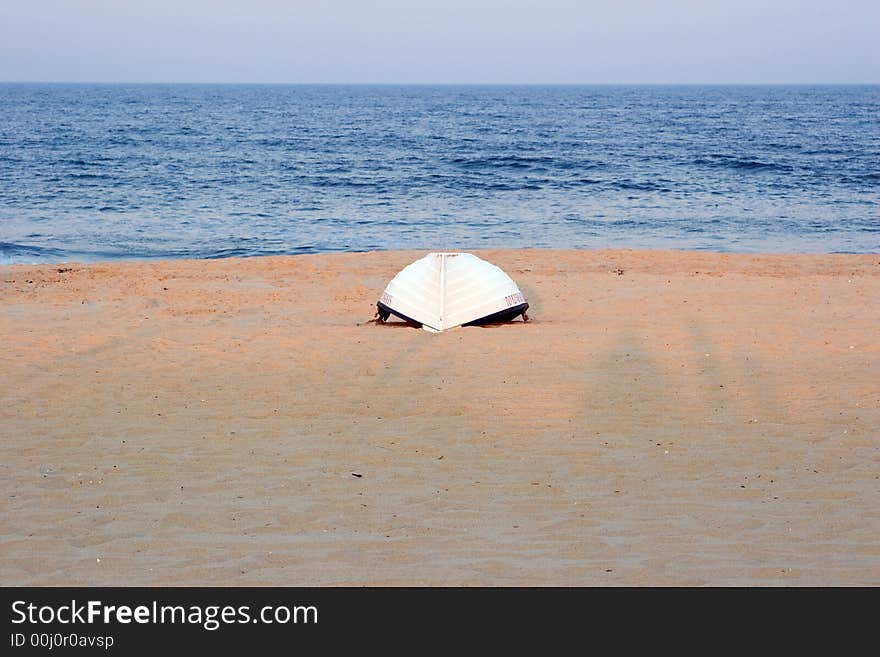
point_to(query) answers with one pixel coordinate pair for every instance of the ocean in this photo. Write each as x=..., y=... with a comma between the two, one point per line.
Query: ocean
x=114, y=171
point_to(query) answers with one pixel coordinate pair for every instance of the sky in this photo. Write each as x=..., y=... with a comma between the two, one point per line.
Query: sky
x=441, y=41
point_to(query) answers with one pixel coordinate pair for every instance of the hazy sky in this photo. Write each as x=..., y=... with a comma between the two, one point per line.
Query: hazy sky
x=473, y=41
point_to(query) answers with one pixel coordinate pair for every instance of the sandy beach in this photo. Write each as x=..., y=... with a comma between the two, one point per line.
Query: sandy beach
x=665, y=418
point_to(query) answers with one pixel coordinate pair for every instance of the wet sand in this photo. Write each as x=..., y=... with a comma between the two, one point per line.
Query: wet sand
x=666, y=418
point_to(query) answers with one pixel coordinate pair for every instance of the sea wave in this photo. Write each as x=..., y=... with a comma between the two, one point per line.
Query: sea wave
x=739, y=163
x=27, y=254
x=502, y=162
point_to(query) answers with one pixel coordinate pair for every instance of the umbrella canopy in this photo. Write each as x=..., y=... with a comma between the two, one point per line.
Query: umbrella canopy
x=444, y=290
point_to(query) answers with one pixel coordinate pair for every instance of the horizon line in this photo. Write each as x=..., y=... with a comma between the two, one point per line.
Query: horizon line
x=454, y=84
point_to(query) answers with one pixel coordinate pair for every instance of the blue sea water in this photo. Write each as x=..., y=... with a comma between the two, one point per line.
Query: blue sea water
x=94, y=172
